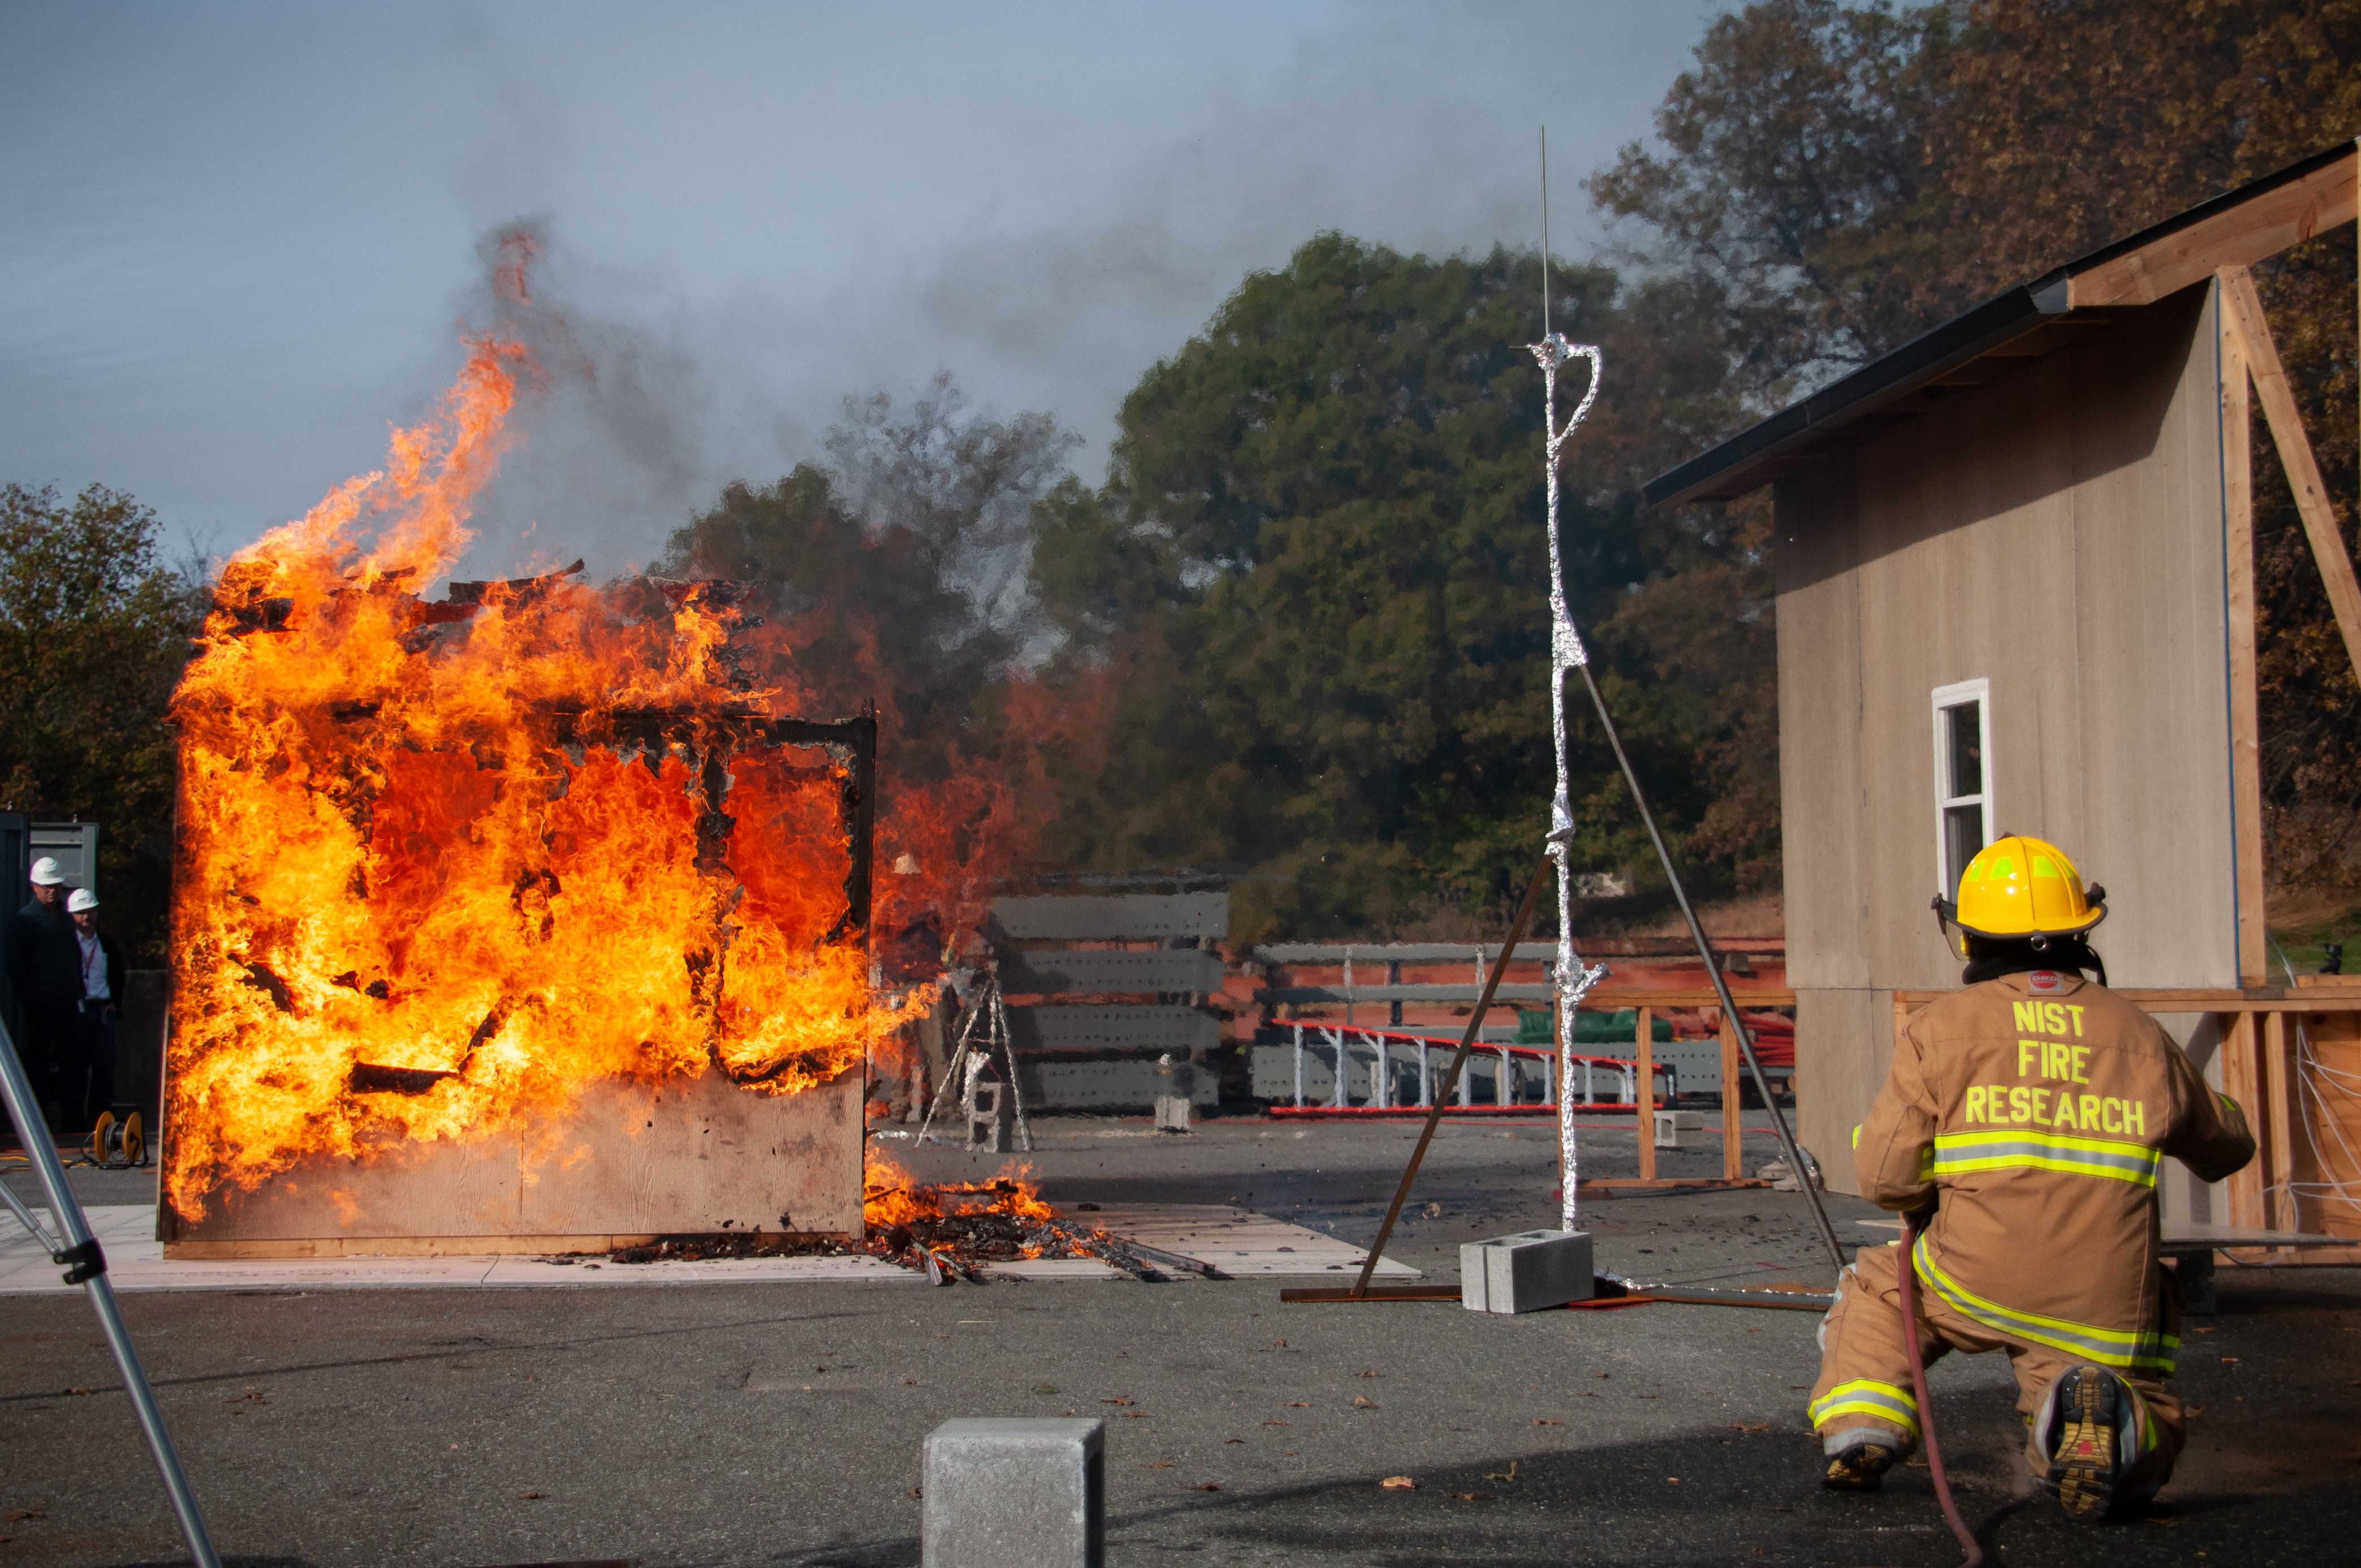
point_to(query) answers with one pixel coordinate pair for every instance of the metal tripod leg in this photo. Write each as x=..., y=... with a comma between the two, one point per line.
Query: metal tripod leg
x=1008, y=1060
x=950, y=1076
x=87, y=1268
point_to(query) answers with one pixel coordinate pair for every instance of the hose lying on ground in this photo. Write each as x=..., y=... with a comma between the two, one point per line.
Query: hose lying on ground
x=1909, y=1275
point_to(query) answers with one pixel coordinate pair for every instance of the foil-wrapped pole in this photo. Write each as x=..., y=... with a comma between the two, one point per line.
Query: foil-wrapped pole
x=1574, y=978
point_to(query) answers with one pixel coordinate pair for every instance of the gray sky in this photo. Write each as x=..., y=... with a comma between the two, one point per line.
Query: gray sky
x=241, y=239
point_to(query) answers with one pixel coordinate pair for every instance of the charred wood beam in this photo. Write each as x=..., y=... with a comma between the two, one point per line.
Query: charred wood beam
x=508, y=591
x=370, y=1078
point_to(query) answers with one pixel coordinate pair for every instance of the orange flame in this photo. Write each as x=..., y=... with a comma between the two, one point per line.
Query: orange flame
x=893, y=1196
x=430, y=885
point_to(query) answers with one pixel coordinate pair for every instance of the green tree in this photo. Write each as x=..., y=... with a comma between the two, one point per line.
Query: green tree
x=896, y=574
x=94, y=627
x=896, y=577
x=1796, y=187
x=1836, y=179
x=1317, y=576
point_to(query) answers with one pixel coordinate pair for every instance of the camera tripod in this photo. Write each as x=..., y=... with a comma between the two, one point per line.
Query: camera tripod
x=86, y=1265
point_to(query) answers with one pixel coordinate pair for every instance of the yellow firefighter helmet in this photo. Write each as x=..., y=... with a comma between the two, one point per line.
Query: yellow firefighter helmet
x=2019, y=887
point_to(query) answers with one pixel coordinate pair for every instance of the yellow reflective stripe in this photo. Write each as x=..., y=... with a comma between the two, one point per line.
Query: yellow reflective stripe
x=1856, y=1134
x=1867, y=1397
x=2146, y=1423
x=2109, y=1347
x=2028, y=1149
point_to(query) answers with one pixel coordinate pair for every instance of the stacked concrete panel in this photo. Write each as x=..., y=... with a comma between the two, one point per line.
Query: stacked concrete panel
x=1133, y=1005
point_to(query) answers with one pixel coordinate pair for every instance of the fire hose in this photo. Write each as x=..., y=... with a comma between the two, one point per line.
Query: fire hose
x=1908, y=1275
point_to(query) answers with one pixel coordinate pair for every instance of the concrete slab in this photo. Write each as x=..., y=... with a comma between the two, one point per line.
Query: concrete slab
x=1056, y=1268
x=1235, y=1241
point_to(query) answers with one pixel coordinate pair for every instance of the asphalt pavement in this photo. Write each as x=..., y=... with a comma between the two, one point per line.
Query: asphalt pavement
x=782, y=1423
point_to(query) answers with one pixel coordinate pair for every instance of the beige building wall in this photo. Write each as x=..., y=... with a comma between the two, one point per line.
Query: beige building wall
x=2059, y=533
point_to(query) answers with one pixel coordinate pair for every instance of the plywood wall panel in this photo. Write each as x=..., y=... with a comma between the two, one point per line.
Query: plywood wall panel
x=2057, y=532
x=1821, y=784
x=630, y=1160
x=1843, y=1046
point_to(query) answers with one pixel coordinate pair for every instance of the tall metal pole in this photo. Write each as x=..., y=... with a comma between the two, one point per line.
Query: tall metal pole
x=1574, y=977
x=86, y=1266
x=1568, y=652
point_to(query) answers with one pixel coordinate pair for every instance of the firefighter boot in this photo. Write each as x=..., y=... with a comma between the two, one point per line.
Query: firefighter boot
x=1860, y=1468
x=2086, y=1408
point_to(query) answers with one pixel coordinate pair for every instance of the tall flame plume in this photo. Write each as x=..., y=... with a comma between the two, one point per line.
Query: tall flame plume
x=442, y=864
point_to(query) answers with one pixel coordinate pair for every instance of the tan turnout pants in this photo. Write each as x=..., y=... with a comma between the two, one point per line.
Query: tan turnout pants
x=1864, y=1392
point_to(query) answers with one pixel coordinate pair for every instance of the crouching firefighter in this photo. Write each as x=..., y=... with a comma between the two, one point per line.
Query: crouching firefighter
x=2021, y=1128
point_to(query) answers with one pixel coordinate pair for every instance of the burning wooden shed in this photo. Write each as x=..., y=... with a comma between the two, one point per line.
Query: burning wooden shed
x=511, y=921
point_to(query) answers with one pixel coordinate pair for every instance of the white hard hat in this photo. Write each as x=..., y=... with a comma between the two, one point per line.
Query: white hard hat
x=80, y=899
x=45, y=872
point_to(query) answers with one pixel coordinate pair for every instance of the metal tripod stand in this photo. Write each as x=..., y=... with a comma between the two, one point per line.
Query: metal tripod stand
x=85, y=1265
x=972, y=1056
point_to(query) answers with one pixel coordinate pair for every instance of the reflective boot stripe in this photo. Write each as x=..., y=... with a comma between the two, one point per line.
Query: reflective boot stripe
x=1866, y=1397
x=2016, y=1150
x=2109, y=1347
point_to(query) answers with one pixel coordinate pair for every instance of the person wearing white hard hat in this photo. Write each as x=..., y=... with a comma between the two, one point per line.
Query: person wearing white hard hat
x=102, y=1006
x=45, y=972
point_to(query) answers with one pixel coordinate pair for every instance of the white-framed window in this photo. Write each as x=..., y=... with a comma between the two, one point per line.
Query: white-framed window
x=1963, y=791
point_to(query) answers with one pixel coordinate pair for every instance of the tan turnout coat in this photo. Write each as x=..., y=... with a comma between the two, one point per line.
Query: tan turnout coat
x=2039, y=1107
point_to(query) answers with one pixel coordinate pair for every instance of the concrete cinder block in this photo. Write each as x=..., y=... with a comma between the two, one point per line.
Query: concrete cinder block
x=1525, y=1272
x=991, y=1113
x=1007, y=1492
x=1671, y=1125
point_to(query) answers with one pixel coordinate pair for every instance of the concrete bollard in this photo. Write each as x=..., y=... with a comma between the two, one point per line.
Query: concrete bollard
x=1008, y=1492
x=1526, y=1272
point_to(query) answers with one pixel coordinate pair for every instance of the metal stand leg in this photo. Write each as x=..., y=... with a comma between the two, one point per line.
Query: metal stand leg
x=86, y=1266
x=1009, y=1059
x=951, y=1081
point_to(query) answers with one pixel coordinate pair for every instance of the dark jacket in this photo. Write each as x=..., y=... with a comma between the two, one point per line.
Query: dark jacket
x=44, y=960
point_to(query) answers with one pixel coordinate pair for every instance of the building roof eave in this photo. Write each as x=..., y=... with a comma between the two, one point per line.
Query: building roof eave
x=2239, y=227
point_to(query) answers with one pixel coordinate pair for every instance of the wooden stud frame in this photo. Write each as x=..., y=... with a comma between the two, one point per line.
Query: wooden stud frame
x=2245, y=721
x=1643, y=1063
x=2242, y=307
x=1733, y=1157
